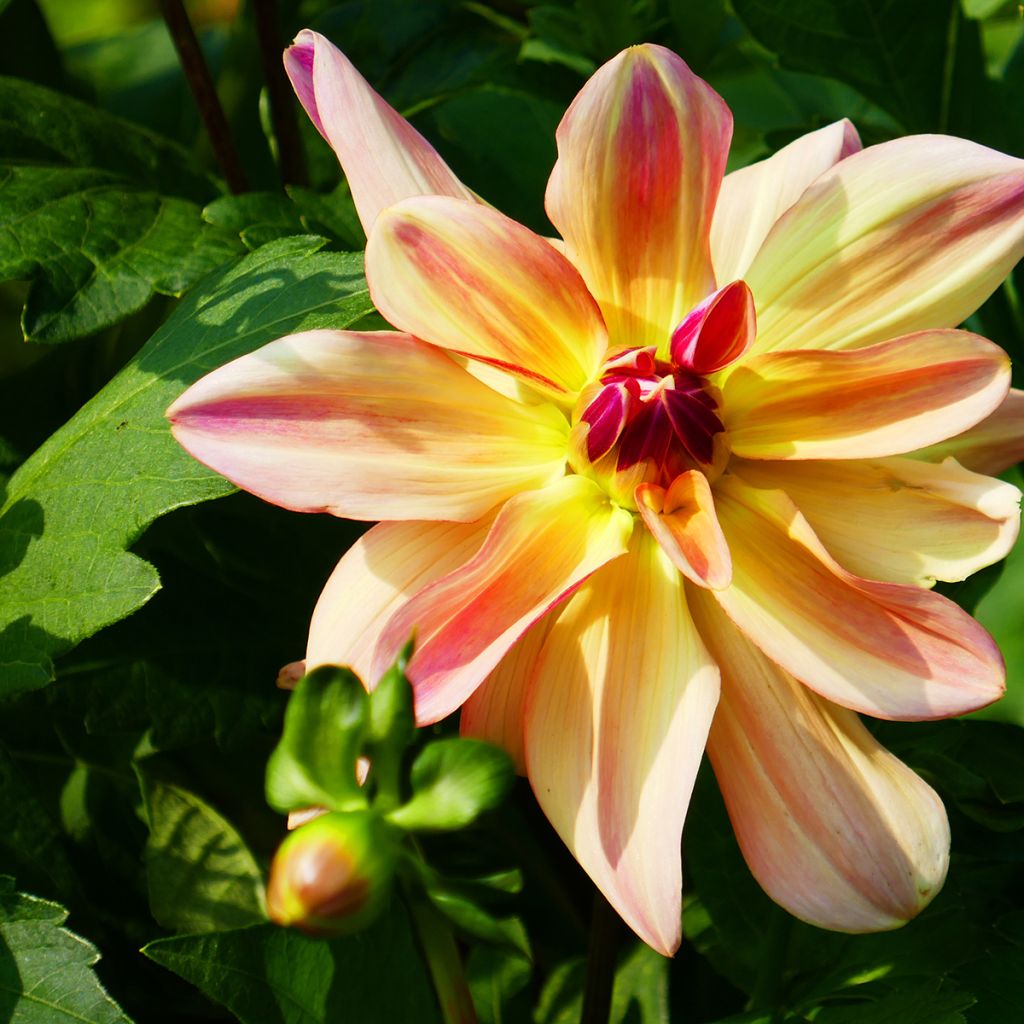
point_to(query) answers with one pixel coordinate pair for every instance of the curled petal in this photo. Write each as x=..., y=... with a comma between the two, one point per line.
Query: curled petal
x=641, y=154
x=883, y=649
x=542, y=546
x=886, y=399
x=755, y=197
x=836, y=829
x=384, y=158
x=909, y=235
x=898, y=519
x=989, y=447
x=375, y=578
x=469, y=279
x=367, y=426
x=717, y=331
x=682, y=520
x=616, y=719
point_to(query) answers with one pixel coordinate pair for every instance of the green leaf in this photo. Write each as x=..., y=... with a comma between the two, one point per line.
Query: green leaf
x=315, y=762
x=453, y=782
x=200, y=873
x=921, y=1005
x=268, y=975
x=466, y=914
x=496, y=982
x=92, y=211
x=392, y=725
x=45, y=970
x=88, y=493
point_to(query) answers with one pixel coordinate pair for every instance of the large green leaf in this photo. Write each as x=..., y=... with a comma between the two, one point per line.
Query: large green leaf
x=88, y=493
x=269, y=975
x=97, y=212
x=45, y=970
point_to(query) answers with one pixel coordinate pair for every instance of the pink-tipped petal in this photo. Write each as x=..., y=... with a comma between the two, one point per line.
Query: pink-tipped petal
x=367, y=426
x=467, y=278
x=884, y=649
x=755, y=197
x=542, y=546
x=616, y=720
x=989, y=447
x=900, y=520
x=682, y=520
x=495, y=710
x=384, y=158
x=717, y=331
x=375, y=578
x=836, y=829
x=885, y=399
x=909, y=235
x=641, y=154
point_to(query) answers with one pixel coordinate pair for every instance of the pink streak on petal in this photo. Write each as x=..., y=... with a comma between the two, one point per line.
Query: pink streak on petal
x=716, y=332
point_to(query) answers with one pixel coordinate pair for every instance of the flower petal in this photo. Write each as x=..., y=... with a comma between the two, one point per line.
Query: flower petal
x=989, y=447
x=682, y=520
x=641, y=154
x=467, y=278
x=618, y=712
x=376, y=576
x=384, y=158
x=910, y=235
x=542, y=546
x=836, y=829
x=898, y=519
x=367, y=426
x=755, y=197
x=494, y=711
x=886, y=399
x=717, y=331
x=883, y=649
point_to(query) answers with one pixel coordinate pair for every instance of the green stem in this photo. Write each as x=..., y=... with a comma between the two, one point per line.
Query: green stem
x=600, y=981
x=443, y=961
x=200, y=81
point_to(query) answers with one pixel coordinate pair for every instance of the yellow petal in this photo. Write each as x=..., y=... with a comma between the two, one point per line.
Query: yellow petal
x=641, y=154
x=619, y=709
x=836, y=829
x=899, y=519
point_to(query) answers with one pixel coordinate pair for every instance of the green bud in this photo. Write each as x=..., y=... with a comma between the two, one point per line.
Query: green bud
x=333, y=875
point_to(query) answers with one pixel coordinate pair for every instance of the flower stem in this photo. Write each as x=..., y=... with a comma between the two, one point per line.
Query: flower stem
x=291, y=160
x=200, y=81
x=600, y=980
x=443, y=961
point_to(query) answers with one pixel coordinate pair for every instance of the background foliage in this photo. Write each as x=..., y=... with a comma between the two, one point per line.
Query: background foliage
x=142, y=624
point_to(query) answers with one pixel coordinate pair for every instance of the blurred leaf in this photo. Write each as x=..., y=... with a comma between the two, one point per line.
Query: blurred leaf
x=200, y=873
x=45, y=970
x=453, y=782
x=27, y=49
x=315, y=762
x=92, y=209
x=923, y=1005
x=497, y=982
x=468, y=916
x=268, y=975
x=77, y=503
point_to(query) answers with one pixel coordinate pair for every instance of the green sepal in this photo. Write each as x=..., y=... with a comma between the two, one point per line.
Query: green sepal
x=392, y=726
x=453, y=782
x=314, y=764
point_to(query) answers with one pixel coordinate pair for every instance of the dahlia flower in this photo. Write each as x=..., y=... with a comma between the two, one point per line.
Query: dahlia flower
x=680, y=479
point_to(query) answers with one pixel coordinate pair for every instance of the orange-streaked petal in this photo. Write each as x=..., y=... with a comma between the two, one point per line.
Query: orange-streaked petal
x=376, y=576
x=909, y=235
x=898, y=519
x=368, y=426
x=884, y=649
x=542, y=546
x=994, y=444
x=616, y=720
x=384, y=158
x=494, y=711
x=836, y=829
x=641, y=154
x=886, y=399
x=755, y=197
x=469, y=279
x=682, y=520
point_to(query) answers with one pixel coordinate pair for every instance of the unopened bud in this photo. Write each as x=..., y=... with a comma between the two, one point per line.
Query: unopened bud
x=332, y=876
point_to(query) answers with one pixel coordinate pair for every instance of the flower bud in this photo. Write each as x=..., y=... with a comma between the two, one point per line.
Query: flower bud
x=332, y=876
